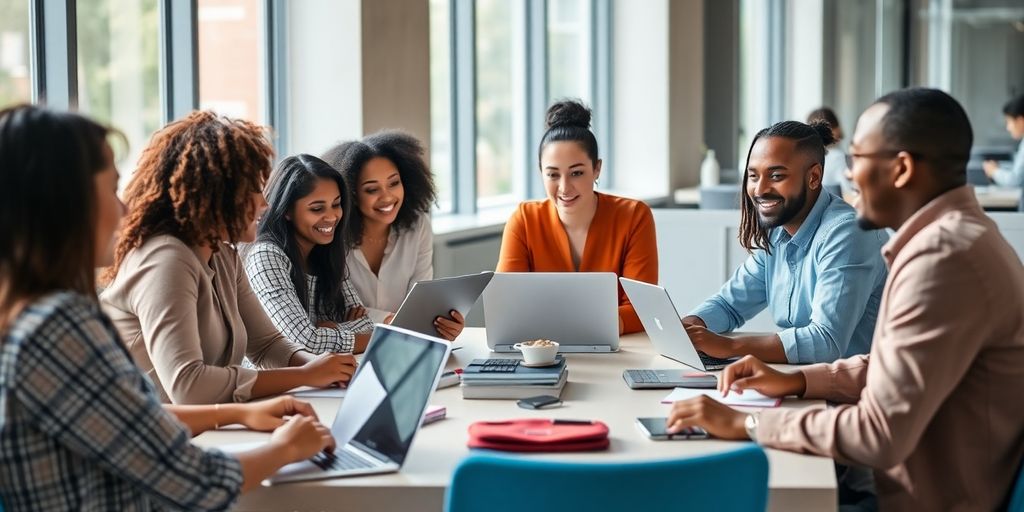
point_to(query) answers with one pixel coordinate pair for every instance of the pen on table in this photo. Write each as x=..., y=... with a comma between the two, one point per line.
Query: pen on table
x=571, y=422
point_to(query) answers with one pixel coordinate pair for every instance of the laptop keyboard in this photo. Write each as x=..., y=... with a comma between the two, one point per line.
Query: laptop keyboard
x=340, y=460
x=714, y=363
x=500, y=365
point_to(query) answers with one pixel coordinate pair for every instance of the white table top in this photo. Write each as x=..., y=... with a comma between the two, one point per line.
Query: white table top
x=595, y=391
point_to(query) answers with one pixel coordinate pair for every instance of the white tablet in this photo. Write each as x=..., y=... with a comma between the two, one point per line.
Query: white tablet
x=428, y=300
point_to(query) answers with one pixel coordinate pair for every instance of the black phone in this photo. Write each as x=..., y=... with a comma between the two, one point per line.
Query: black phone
x=537, y=402
x=655, y=429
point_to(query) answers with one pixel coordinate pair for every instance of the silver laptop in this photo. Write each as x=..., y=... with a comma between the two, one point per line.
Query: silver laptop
x=437, y=297
x=382, y=408
x=579, y=310
x=664, y=327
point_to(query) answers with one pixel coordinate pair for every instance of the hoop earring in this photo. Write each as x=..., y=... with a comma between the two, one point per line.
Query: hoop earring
x=597, y=182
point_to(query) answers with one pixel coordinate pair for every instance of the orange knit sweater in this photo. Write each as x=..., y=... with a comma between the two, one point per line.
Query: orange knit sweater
x=621, y=239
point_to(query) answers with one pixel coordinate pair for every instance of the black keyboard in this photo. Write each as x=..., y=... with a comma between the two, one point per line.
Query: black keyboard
x=714, y=363
x=339, y=460
x=500, y=365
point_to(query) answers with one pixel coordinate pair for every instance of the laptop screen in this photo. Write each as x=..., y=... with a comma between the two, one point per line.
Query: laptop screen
x=405, y=366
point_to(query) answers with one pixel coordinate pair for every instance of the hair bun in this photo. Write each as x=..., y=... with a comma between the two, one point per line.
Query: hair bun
x=568, y=113
x=824, y=130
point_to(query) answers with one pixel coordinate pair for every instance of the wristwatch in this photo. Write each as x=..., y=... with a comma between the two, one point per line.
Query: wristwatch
x=750, y=425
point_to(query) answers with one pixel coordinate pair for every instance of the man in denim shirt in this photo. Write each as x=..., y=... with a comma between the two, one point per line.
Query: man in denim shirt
x=818, y=273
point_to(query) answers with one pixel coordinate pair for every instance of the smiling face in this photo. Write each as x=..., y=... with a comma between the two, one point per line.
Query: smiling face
x=872, y=171
x=109, y=210
x=569, y=176
x=777, y=181
x=380, y=192
x=315, y=216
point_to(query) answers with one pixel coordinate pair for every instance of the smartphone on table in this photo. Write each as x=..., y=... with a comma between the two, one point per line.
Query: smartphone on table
x=654, y=428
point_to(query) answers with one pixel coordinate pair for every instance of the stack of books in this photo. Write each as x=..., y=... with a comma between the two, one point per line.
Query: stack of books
x=512, y=379
x=434, y=413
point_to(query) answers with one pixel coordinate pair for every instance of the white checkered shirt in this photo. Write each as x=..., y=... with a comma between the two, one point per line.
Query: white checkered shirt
x=269, y=271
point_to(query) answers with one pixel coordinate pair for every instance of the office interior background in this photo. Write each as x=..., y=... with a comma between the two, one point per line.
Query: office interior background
x=666, y=79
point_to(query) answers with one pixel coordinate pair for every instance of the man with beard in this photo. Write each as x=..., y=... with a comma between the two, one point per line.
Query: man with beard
x=818, y=274
x=935, y=409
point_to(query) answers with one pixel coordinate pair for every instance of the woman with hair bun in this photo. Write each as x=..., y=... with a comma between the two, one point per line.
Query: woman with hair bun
x=577, y=229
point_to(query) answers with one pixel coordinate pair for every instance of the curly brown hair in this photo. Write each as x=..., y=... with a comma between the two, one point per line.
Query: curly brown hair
x=195, y=182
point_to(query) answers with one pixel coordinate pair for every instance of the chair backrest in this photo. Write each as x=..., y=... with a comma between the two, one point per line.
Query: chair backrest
x=720, y=197
x=1017, y=493
x=736, y=480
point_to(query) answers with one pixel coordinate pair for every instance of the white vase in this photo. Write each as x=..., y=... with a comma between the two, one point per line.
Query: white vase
x=709, y=170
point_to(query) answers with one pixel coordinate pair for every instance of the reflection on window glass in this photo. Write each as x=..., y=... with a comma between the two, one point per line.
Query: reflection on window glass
x=15, y=85
x=569, y=50
x=440, y=102
x=231, y=58
x=118, y=70
x=500, y=101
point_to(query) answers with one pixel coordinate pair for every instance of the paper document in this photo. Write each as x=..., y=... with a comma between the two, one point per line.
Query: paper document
x=749, y=398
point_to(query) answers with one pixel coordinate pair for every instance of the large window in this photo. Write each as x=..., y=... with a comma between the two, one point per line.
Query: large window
x=569, y=50
x=119, y=70
x=441, y=101
x=15, y=86
x=500, y=100
x=231, y=57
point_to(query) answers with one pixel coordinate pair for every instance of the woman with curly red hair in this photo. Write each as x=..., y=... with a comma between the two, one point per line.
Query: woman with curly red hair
x=177, y=291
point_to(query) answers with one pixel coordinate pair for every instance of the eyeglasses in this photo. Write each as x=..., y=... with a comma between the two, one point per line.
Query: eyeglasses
x=885, y=153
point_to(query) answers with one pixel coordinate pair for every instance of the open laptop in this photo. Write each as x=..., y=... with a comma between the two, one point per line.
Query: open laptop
x=382, y=409
x=437, y=297
x=579, y=310
x=661, y=321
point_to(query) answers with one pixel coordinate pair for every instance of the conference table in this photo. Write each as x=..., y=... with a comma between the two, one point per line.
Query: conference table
x=595, y=390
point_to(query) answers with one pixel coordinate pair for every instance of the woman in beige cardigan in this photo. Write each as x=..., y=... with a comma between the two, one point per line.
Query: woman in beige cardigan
x=177, y=291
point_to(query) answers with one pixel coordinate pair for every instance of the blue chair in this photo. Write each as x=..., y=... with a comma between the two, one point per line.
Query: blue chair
x=732, y=481
x=1017, y=493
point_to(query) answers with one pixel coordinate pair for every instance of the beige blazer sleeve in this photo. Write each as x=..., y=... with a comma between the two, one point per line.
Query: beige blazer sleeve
x=163, y=293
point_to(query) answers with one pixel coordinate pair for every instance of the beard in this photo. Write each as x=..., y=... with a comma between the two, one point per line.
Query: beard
x=865, y=224
x=790, y=209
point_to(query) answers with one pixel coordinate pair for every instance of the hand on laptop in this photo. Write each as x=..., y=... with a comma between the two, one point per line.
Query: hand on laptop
x=328, y=369
x=752, y=373
x=714, y=345
x=449, y=328
x=268, y=415
x=302, y=437
x=693, y=320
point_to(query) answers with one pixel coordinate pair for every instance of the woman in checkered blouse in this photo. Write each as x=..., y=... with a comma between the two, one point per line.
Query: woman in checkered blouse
x=81, y=428
x=297, y=266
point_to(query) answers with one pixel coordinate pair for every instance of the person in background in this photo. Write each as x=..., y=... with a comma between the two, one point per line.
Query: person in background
x=819, y=275
x=389, y=236
x=935, y=408
x=177, y=291
x=834, y=169
x=1010, y=174
x=81, y=428
x=577, y=229
x=297, y=265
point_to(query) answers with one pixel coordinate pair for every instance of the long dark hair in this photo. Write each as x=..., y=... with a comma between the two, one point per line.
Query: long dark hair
x=406, y=153
x=294, y=178
x=812, y=139
x=47, y=203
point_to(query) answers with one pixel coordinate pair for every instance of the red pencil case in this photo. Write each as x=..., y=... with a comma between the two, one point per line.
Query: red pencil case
x=539, y=435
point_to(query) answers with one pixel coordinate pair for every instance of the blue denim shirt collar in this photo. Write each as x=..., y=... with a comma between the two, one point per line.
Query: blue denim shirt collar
x=805, y=234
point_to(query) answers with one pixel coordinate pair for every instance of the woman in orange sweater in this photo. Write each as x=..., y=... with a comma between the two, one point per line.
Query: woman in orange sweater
x=577, y=229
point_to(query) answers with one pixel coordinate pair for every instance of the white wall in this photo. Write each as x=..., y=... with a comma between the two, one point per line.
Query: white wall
x=325, y=94
x=640, y=86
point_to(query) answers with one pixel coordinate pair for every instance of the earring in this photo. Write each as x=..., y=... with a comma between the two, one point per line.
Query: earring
x=597, y=182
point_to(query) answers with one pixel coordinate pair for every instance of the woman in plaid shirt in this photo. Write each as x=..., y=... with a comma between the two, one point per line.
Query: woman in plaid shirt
x=80, y=427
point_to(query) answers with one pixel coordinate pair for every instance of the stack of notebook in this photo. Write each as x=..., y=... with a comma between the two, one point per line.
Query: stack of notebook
x=511, y=378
